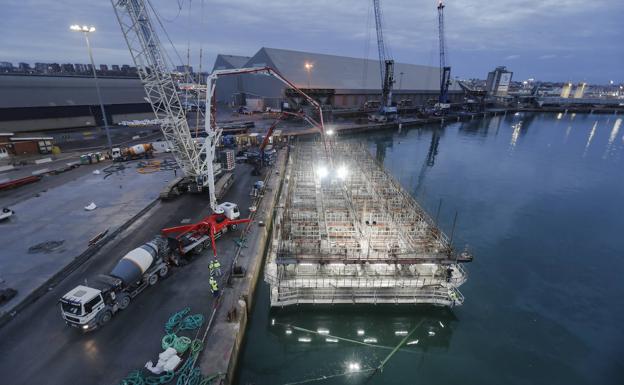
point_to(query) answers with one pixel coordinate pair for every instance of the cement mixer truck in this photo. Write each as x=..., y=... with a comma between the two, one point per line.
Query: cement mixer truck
x=93, y=304
x=137, y=151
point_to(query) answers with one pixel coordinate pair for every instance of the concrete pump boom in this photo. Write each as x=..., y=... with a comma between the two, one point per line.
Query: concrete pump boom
x=211, y=107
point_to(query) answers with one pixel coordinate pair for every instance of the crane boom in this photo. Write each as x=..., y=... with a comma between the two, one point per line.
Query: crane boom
x=445, y=71
x=381, y=48
x=149, y=58
x=386, y=65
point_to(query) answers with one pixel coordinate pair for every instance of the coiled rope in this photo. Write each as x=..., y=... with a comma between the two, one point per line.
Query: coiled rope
x=187, y=374
x=175, y=319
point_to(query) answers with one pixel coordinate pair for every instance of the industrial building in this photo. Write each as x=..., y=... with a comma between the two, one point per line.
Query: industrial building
x=339, y=81
x=43, y=102
x=498, y=81
x=10, y=145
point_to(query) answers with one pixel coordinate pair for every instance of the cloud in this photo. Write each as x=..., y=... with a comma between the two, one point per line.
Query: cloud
x=547, y=56
x=478, y=33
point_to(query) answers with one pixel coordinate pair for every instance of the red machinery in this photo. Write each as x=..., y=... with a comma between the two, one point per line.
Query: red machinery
x=195, y=237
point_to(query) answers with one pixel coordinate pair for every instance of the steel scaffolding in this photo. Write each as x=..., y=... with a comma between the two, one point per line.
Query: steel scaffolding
x=345, y=231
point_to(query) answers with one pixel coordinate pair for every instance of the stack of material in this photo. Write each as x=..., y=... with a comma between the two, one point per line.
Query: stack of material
x=168, y=361
x=230, y=159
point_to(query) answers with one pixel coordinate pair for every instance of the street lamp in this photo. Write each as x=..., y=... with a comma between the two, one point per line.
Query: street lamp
x=86, y=30
x=308, y=67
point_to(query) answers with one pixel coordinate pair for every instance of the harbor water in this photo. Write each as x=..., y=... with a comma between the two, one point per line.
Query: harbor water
x=539, y=200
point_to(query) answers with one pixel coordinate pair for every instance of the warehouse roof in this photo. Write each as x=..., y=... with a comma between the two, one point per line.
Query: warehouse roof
x=342, y=72
x=229, y=61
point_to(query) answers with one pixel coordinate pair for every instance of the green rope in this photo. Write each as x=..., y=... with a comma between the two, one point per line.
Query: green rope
x=133, y=378
x=175, y=319
x=381, y=366
x=168, y=340
x=182, y=344
x=157, y=380
x=192, y=322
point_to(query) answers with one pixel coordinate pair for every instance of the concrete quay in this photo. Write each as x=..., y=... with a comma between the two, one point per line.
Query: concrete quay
x=226, y=335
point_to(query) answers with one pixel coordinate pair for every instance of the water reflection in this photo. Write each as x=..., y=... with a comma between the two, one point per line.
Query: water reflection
x=309, y=327
x=567, y=133
x=479, y=127
x=591, y=136
x=430, y=159
x=382, y=143
x=515, y=134
x=612, y=137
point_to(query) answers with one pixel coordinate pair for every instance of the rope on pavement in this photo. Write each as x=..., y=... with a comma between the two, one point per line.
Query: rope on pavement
x=192, y=322
x=187, y=374
x=175, y=319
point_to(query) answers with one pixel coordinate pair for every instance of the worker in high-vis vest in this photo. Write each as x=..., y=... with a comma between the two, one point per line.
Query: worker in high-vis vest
x=214, y=287
x=215, y=268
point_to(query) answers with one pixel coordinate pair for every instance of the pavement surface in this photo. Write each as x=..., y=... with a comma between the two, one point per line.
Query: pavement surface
x=57, y=214
x=134, y=335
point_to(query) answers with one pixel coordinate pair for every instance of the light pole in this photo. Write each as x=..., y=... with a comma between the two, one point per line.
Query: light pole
x=86, y=30
x=308, y=67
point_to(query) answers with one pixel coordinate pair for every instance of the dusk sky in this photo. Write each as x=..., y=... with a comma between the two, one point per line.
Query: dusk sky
x=559, y=40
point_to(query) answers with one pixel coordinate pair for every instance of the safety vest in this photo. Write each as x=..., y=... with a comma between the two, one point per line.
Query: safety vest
x=211, y=266
x=216, y=264
x=213, y=284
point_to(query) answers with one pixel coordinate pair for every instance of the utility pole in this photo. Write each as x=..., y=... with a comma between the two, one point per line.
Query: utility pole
x=86, y=30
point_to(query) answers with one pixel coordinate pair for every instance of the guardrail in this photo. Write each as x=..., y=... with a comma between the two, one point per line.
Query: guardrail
x=435, y=296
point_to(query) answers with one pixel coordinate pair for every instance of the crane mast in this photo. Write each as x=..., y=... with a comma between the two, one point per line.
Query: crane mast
x=445, y=71
x=149, y=58
x=386, y=64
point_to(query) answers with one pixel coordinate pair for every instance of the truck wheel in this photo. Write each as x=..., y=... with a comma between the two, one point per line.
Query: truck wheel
x=163, y=271
x=198, y=249
x=105, y=317
x=152, y=279
x=233, y=227
x=124, y=301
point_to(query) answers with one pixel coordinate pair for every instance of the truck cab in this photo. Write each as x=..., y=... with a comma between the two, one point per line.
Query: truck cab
x=229, y=209
x=116, y=154
x=80, y=307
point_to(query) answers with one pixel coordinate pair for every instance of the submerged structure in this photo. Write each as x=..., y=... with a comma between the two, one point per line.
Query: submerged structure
x=346, y=232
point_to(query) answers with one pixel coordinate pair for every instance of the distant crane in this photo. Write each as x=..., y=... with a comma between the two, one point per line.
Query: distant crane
x=445, y=71
x=386, y=71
